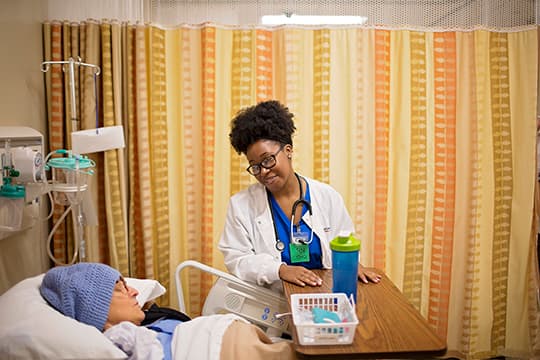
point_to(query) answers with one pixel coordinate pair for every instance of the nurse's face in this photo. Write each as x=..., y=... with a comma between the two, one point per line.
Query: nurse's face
x=270, y=163
x=124, y=305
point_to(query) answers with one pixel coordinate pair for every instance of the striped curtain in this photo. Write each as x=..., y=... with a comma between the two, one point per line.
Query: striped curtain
x=64, y=41
x=130, y=188
x=429, y=136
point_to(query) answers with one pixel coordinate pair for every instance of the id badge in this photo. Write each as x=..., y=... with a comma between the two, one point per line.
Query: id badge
x=299, y=252
x=300, y=237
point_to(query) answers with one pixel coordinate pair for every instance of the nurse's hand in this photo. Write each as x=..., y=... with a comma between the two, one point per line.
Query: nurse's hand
x=365, y=275
x=299, y=275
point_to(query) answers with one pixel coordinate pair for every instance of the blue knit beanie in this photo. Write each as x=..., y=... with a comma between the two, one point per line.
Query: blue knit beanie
x=82, y=291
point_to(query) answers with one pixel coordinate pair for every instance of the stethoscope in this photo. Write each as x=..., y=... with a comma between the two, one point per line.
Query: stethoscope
x=280, y=245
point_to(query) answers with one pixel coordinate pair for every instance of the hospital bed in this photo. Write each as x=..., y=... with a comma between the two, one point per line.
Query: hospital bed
x=229, y=294
x=31, y=329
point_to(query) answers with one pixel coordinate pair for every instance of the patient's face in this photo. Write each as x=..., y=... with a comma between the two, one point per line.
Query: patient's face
x=124, y=306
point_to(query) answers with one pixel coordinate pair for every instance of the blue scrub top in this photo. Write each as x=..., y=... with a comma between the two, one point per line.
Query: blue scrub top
x=283, y=227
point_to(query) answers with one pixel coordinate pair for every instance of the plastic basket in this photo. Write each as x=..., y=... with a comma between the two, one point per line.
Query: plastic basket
x=311, y=333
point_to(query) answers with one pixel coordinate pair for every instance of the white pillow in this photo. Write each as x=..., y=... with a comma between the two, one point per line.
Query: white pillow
x=31, y=329
x=148, y=289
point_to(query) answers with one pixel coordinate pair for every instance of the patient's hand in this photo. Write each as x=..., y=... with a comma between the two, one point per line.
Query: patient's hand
x=299, y=275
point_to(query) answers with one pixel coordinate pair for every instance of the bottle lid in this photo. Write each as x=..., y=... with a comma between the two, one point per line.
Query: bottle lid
x=345, y=242
x=71, y=163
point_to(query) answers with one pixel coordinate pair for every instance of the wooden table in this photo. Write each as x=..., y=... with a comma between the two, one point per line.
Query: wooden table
x=388, y=325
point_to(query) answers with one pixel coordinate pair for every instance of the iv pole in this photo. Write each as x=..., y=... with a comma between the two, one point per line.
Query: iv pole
x=45, y=67
x=78, y=217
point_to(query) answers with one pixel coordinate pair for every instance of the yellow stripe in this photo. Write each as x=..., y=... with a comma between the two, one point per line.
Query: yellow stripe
x=480, y=338
x=191, y=109
x=523, y=105
x=321, y=105
x=502, y=172
x=244, y=65
x=364, y=179
x=416, y=212
x=158, y=146
x=112, y=196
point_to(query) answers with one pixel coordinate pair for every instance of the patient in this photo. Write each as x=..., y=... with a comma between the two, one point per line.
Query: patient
x=97, y=295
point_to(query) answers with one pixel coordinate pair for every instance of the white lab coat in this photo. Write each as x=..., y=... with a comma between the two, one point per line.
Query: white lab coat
x=248, y=241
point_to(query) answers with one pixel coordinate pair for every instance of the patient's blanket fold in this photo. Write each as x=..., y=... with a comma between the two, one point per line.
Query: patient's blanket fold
x=137, y=342
x=201, y=338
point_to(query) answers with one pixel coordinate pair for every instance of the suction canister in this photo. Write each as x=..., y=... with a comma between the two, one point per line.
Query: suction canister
x=11, y=205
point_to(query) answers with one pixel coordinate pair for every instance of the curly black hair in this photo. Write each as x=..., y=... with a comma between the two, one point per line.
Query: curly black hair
x=268, y=120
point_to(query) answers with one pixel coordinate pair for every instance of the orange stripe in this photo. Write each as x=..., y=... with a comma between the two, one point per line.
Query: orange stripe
x=103, y=242
x=137, y=231
x=56, y=131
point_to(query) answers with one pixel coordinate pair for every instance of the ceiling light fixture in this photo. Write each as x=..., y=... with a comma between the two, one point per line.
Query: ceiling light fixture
x=312, y=20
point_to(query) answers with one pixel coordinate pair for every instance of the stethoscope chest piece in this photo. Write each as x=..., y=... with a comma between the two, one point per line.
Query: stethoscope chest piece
x=280, y=245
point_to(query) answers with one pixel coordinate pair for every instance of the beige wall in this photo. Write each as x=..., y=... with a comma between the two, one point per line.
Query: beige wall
x=22, y=103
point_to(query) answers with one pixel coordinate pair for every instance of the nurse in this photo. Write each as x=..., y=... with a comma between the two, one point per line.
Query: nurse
x=279, y=228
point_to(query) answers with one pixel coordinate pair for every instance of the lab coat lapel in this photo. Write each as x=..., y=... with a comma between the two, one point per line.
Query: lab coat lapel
x=263, y=219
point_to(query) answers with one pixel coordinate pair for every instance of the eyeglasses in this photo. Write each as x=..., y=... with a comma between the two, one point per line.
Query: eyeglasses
x=267, y=163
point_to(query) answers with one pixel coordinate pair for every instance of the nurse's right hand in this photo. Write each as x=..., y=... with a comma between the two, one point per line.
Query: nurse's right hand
x=299, y=275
